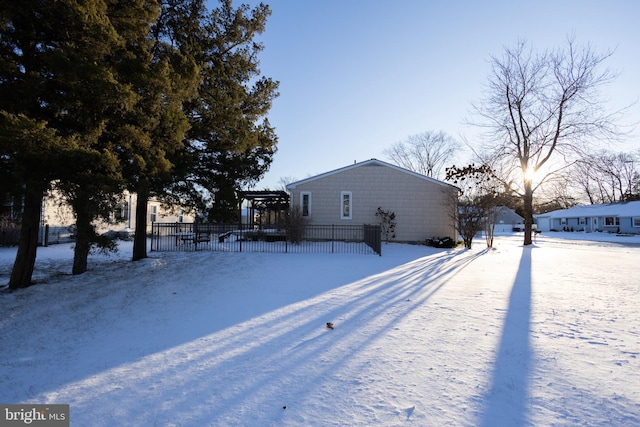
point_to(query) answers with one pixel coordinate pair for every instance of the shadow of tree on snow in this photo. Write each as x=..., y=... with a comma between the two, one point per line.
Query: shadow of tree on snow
x=506, y=398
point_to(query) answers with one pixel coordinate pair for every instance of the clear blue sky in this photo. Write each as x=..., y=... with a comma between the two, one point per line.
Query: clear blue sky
x=357, y=76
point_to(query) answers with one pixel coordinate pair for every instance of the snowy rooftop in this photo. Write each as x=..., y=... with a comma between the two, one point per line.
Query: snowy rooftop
x=623, y=209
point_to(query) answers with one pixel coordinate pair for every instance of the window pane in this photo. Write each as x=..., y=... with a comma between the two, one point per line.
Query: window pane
x=346, y=202
x=152, y=214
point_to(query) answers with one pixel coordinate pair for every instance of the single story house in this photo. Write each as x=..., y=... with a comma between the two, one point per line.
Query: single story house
x=623, y=217
x=424, y=207
x=507, y=220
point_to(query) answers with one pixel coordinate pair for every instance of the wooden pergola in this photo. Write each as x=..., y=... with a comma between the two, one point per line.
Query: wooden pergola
x=271, y=207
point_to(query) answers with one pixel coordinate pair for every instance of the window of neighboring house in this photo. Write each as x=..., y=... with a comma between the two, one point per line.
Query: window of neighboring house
x=119, y=214
x=181, y=215
x=153, y=213
x=305, y=201
x=563, y=221
x=123, y=212
x=636, y=221
x=583, y=221
x=346, y=207
x=611, y=221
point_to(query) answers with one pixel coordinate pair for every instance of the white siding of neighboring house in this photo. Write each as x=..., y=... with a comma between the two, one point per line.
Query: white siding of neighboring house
x=60, y=217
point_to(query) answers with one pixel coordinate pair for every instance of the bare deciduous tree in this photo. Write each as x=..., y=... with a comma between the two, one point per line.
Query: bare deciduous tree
x=607, y=177
x=284, y=181
x=543, y=109
x=427, y=153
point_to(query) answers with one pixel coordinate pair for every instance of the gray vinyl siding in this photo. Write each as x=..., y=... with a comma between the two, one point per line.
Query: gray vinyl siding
x=422, y=206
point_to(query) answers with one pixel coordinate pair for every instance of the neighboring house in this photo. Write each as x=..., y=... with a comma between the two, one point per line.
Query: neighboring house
x=508, y=220
x=59, y=220
x=352, y=195
x=623, y=217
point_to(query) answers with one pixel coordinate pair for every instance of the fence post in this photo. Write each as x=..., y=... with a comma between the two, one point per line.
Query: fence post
x=333, y=237
x=153, y=234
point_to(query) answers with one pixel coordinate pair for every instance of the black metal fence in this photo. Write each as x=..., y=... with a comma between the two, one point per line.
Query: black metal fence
x=10, y=235
x=174, y=237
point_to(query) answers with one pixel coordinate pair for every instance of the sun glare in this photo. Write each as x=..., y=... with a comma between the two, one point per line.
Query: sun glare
x=532, y=175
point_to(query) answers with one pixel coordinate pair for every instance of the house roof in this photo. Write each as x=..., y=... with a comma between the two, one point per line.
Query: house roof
x=263, y=195
x=622, y=209
x=508, y=215
x=371, y=162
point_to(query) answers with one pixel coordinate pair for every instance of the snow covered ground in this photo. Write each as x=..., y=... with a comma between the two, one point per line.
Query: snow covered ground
x=547, y=335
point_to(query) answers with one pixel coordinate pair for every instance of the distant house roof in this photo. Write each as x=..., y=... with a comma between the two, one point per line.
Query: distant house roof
x=507, y=215
x=622, y=209
x=372, y=162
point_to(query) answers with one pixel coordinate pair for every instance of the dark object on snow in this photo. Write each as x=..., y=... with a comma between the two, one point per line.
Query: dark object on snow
x=329, y=325
x=441, y=242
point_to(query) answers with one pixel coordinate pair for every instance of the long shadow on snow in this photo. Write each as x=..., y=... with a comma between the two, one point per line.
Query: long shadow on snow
x=259, y=363
x=506, y=399
x=393, y=294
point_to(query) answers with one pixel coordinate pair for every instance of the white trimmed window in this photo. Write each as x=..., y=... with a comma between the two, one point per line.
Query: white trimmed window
x=636, y=221
x=153, y=213
x=181, y=215
x=583, y=221
x=611, y=221
x=305, y=203
x=346, y=205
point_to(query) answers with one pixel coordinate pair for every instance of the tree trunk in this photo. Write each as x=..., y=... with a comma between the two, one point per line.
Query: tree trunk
x=84, y=231
x=492, y=216
x=140, y=238
x=527, y=201
x=468, y=240
x=27, y=247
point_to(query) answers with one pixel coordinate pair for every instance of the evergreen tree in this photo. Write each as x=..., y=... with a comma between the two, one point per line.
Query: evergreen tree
x=230, y=141
x=101, y=94
x=54, y=91
x=91, y=180
x=162, y=71
x=30, y=148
